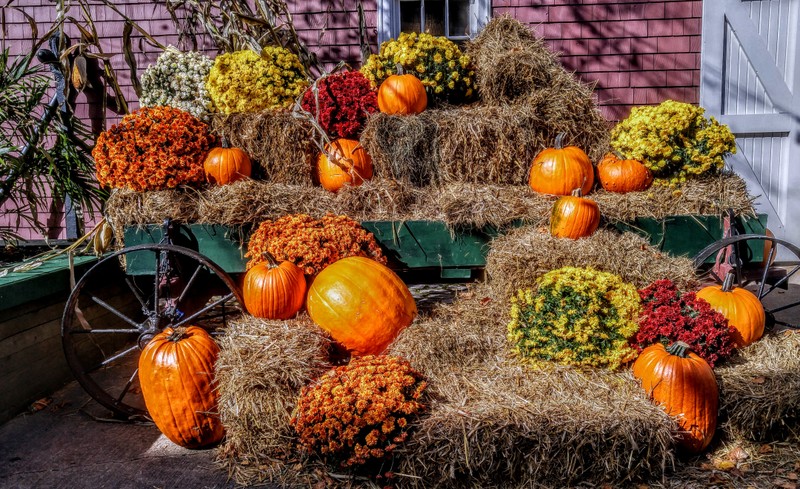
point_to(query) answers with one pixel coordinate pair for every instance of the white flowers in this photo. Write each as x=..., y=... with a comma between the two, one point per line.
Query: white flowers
x=178, y=80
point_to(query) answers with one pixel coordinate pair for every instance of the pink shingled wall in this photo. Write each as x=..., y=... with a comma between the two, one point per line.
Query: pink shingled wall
x=635, y=52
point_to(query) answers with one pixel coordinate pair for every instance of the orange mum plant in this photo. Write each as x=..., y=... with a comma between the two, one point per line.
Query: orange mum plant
x=359, y=412
x=153, y=148
x=312, y=244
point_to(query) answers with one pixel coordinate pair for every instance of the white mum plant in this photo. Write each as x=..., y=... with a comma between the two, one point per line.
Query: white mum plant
x=178, y=80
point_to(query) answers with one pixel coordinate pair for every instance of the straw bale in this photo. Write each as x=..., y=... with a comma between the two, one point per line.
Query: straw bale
x=518, y=258
x=261, y=368
x=281, y=145
x=128, y=208
x=760, y=389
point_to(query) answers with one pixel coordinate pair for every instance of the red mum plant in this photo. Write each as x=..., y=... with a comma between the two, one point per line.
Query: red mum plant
x=341, y=104
x=360, y=412
x=153, y=148
x=667, y=315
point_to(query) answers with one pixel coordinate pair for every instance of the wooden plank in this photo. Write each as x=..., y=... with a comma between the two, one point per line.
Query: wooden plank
x=52, y=277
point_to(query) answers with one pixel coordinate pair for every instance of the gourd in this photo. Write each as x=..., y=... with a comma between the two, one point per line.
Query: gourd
x=349, y=163
x=176, y=373
x=402, y=94
x=274, y=290
x=362, y=304
x=574, y=216
x=684, y=385
x=621, y=175
x=740, y=307
x=225, y=165
x=560, y=170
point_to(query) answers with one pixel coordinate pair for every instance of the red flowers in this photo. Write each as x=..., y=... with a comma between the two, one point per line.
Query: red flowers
x=668, y=316
x=345, y=100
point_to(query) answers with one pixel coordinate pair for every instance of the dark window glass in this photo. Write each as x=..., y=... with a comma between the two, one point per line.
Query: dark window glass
x=434, y=17
x=459, y=18
x=410, y=20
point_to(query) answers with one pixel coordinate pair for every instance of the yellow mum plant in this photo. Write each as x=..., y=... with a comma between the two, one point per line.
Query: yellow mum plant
x=577, y=316
x=437, y=61
x=243, y=81
x=674, y=140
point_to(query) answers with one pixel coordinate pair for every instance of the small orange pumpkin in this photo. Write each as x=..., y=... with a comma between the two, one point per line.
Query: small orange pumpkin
x=225, y=165
x=740, y=306
x=559, y=170
x=574, y=216
x=361, y=303
x=402, y=94
x=176, y=373
x=617, y=174
x=349, y=164
x=274, y=290
x=685, y=386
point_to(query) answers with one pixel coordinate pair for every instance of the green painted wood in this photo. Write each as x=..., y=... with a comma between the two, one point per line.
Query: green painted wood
x=51, y=277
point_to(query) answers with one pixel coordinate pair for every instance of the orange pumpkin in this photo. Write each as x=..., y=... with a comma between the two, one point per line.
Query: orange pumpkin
x=574, y=216
x=176, y=373
x=349, y=164
x=560, y=170
x=274, y=290
x=225, y=165
x=402, y=94
x=622, y=175
x=740, y=306
x=685, y=386
x=361, y=303
x=768, y=248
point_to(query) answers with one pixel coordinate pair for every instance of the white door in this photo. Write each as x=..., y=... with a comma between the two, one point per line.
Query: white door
x=750, y=80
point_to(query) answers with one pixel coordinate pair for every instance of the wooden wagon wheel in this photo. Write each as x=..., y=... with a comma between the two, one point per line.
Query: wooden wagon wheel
x=113, y=313
x=758, y=271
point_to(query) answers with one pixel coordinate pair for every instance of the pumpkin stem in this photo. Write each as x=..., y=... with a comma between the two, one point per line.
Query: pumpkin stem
x=270, y=259
x=177, y=334
x=679, y=348
x=399, y=68
x=577, y=192
x=560, y=140
x=225, y=143
x=618, y=155
x=727, y=284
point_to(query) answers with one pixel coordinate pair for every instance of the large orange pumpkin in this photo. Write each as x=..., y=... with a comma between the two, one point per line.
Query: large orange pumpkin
x=274, y=290
x=176, y=373
x=361, y=303
x=574, y=216
x=349, y=164
x=560, y=170
x=685, y=386
x=402, y=94
x=225, y=165
x=740, y=306
x=622, y=175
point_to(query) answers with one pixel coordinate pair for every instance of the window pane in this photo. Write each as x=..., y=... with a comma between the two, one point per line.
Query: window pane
x=459, y=18
x=434, y=17
x=410, y=16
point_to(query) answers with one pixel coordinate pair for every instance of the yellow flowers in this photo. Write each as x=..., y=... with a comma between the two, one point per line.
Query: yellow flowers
x=674, y=140
x=436, y=61
x=243, y=81
x=577, y=316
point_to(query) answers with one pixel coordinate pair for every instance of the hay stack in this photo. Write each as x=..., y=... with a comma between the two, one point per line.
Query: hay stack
x=518, y=258
x=760, y=389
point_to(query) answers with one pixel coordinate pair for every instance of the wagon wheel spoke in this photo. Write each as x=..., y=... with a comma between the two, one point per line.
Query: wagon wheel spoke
x=128, y=385
x=199, y=313
x=189, y=284
x=115, y=312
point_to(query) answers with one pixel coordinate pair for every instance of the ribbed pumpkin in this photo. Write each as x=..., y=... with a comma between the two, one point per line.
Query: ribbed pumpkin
x=402, y=94
x=740, y=306
x=361, y=303
x=684, y=385
x=622, y=175
x=225, y=165
x=560, y=170
x=274, y=290
x=349, y=164
x=176, y=373
x=574, y=216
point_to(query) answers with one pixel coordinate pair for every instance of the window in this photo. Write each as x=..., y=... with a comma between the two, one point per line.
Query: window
x=455, y=19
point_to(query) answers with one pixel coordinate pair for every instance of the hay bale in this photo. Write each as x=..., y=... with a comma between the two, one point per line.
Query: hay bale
x=128, y=208
x=518, y=258
x=281, y=145
x=760, y=389
x=261, y=368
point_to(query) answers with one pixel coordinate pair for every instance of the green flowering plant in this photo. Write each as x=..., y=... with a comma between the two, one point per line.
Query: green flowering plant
x=577, y=316
x=178, y=80
x=244, y=81
x=674, y=140
x=438, y=62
